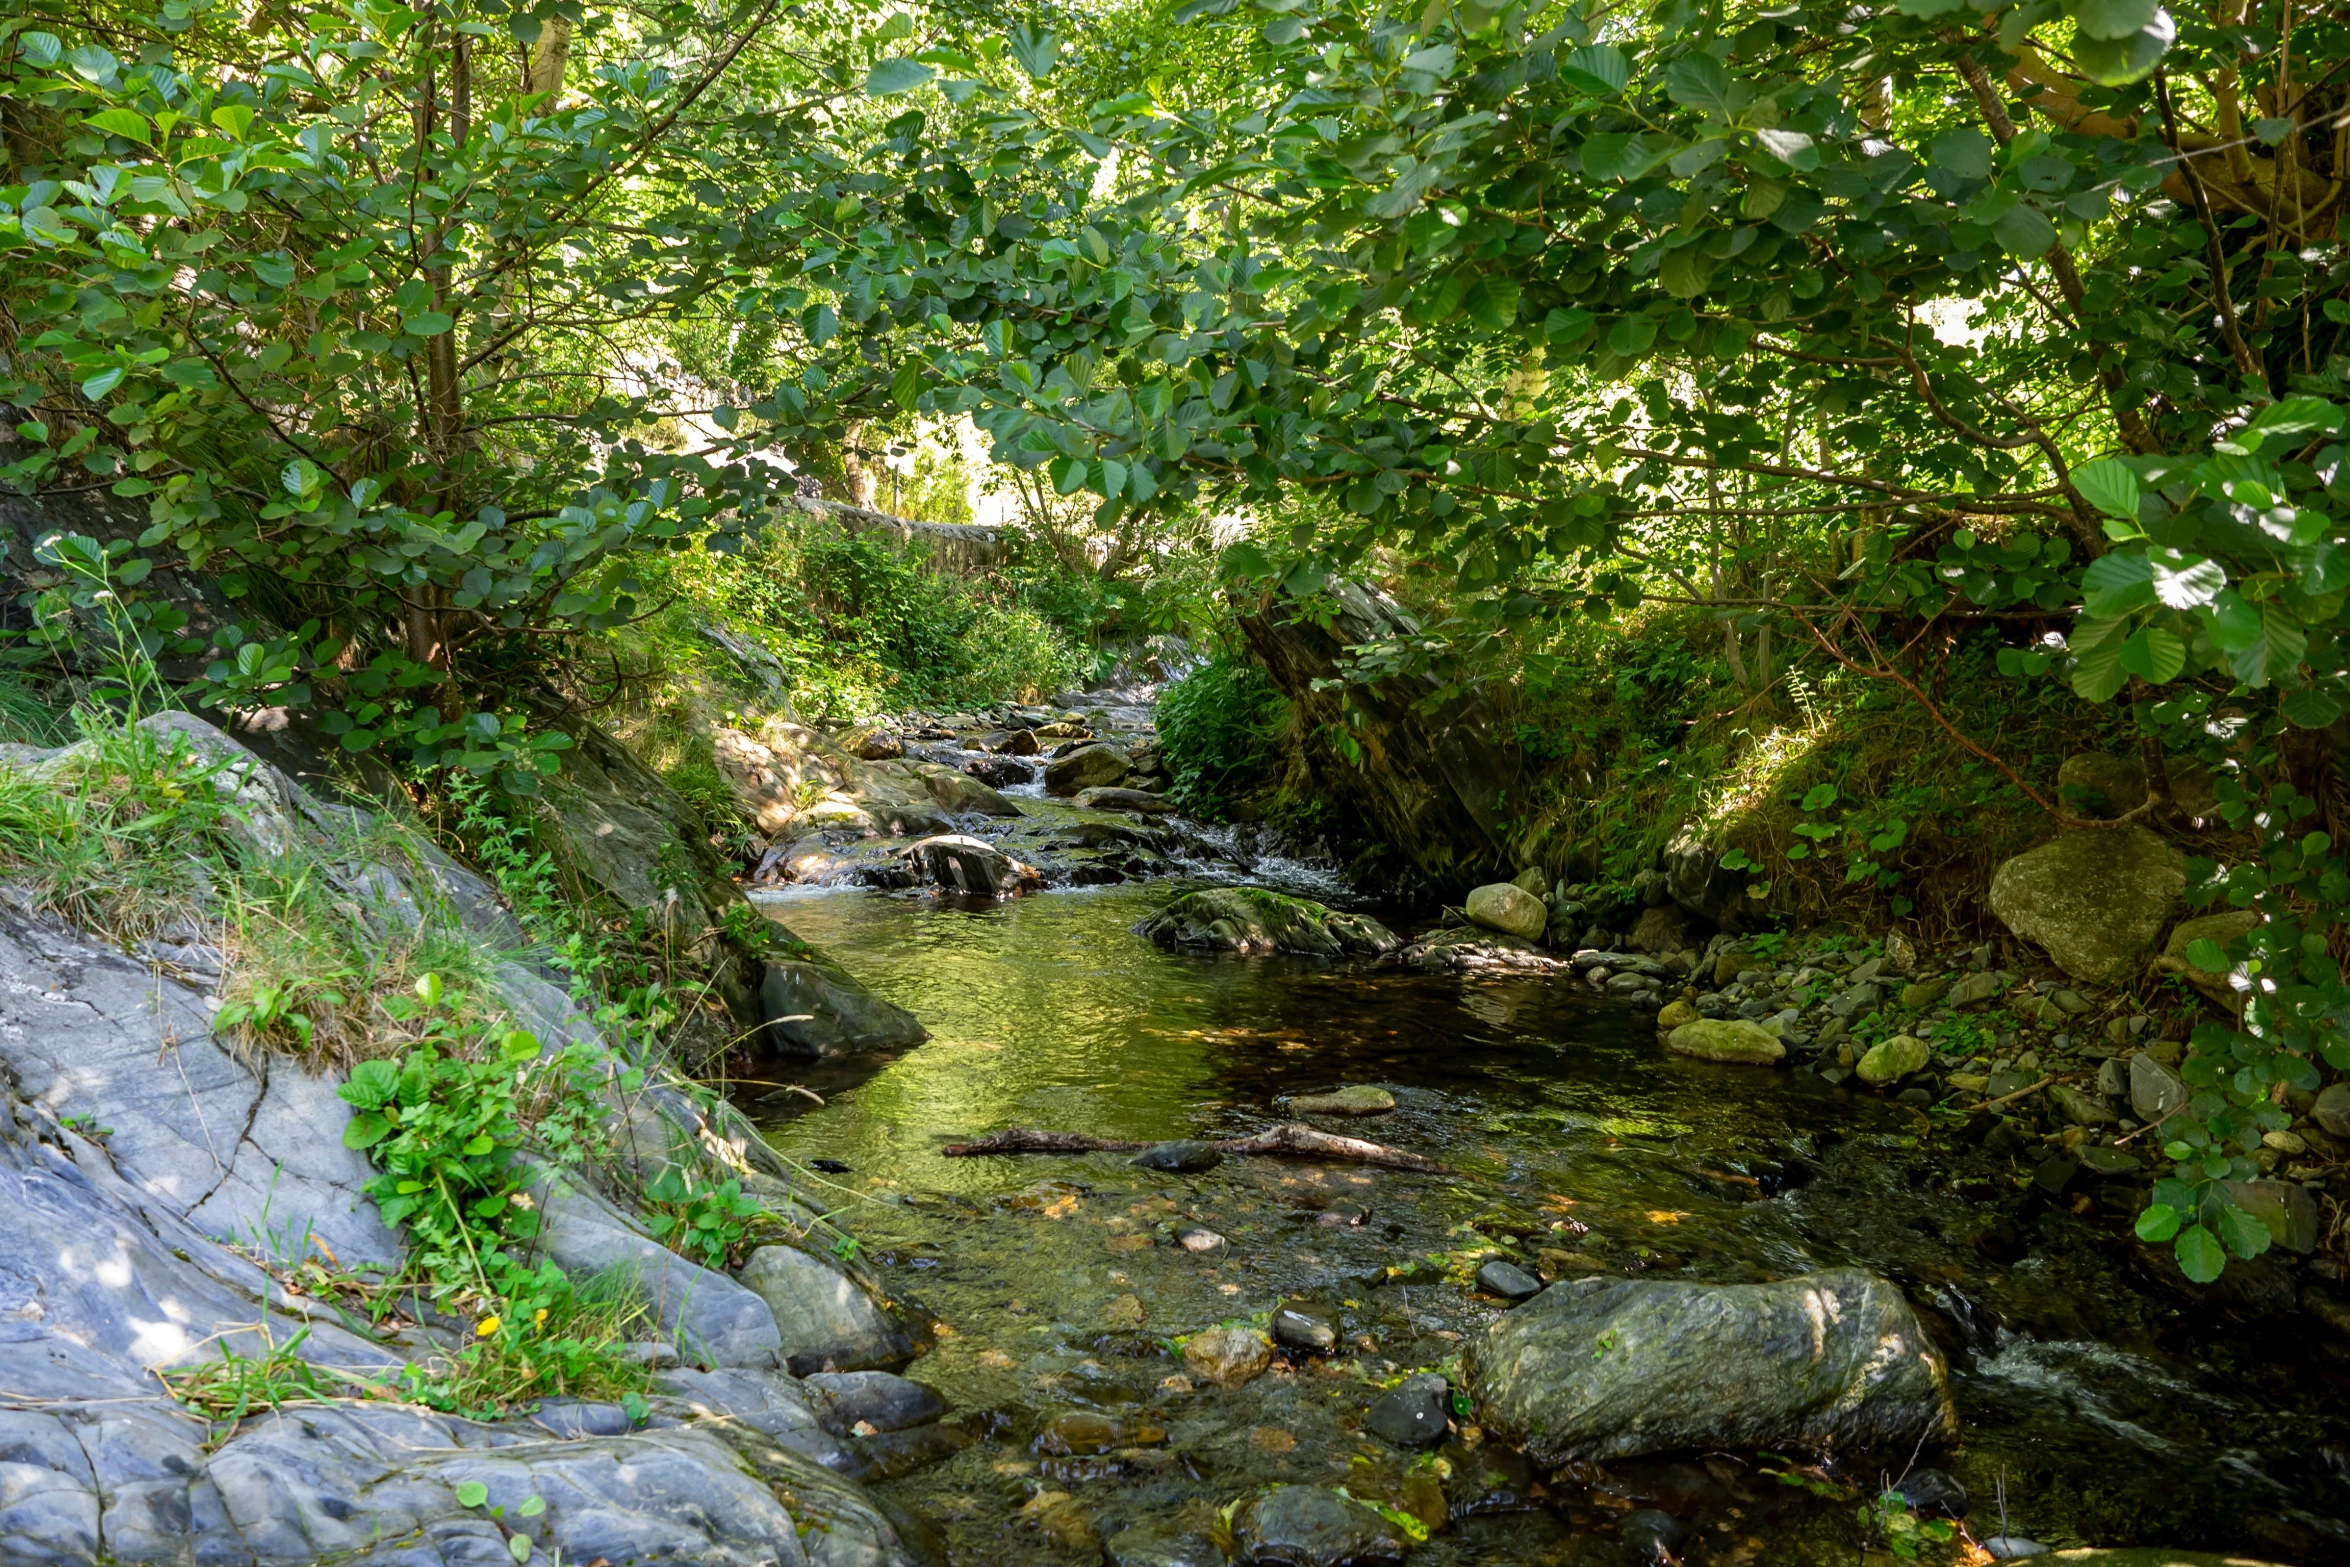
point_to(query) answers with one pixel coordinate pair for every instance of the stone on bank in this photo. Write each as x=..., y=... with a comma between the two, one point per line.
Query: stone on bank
x=1508, y=908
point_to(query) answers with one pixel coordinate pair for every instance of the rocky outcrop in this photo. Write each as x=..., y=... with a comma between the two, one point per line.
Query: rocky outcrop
x=2096, y=900
x=247, y=1148
x=813, y=1008
x=1095, y=766
x=1434, y=780
x=1600, y=1368
x=1256, y=919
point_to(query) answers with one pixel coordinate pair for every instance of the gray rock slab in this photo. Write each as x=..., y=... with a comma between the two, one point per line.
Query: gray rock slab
x=826, y=1320
x=251, y=1150
x=712, y=1319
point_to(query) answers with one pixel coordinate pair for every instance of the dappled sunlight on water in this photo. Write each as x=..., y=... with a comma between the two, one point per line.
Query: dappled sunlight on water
x=1568, y=1132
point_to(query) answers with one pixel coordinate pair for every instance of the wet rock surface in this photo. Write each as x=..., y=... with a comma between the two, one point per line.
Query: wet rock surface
x=1255, y=919
x=1307, y=1526
x=1604, y=1368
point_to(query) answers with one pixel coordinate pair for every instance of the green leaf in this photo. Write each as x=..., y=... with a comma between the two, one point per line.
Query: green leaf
x=365, y=1130
x=2097, y=667
x=427, y=323
x=1437, y=62
x=2207, y=955
x=532, y=1506
x=2110, y=486
x=472, y=1493
x=1597, y=68
x=2308, y=707
x=103, y=382
x=2157, y=1224
x=2117, y=62
x=896, y=76
x=2112, y=19
x=2186, y=587
x=2154, y=654
x=2024, y=232
x=1697, y=81
x=2117, y=584
x=1793, y=148
x=1632, y=335
x=2244, y=1232
x=126, y=123
x=2201, y=1258
x=40, y=49
x=1034, y=48
x=518, y=1547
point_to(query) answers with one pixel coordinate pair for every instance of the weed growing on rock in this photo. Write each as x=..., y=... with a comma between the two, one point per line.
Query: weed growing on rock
x=447, y=1131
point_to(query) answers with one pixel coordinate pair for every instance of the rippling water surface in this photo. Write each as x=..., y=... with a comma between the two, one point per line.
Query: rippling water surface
x=1568, y=1130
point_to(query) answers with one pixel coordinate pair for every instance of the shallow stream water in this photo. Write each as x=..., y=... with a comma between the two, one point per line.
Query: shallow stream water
x=2107, y=1415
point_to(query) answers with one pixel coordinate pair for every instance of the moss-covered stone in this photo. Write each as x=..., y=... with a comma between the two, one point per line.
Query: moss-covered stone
x=2096, y=900
x=1726, y=1039
x=1509, y=908
x=1255, y=919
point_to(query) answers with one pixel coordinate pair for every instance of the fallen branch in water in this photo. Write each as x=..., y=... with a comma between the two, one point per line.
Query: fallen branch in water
x=1291, y=1140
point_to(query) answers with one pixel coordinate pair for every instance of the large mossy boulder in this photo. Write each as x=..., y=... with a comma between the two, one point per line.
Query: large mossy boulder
x=1509, y=908
x=1726, y=1039
x=2096, y=900
x=1603, y=1368
x=1254, y=919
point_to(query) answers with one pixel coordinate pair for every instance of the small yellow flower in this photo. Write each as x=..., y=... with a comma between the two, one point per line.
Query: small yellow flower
x=538, y=1318
x=485, y=1327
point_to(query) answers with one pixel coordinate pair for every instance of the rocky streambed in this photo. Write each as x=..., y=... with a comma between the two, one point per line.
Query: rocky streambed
x=1661, y=1303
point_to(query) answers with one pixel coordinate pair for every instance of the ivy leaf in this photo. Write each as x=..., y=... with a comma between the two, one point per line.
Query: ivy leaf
x=2110, y=486
x=896, y=76
x=2200, y=1255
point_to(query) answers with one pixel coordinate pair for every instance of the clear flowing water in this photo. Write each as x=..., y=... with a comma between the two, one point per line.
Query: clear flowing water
x=2108, y=1416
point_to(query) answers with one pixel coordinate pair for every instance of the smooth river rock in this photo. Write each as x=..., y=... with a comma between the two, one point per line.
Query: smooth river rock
x=958, y=862
x=824, y=1319
x=1356, y=1099
x=1307, y=1526
x=1257, y=919
x=1229, y=1356
x=1726, y=1039
x=2097, y=901
x=1087, y=767
x=1508, y=908
x=1891, y=1060
x=1604, y=1368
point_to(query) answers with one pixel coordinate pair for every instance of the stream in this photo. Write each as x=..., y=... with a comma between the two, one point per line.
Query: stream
x=2104, y=1413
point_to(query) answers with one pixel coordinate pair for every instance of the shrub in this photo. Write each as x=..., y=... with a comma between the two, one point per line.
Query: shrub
x=1220, y=728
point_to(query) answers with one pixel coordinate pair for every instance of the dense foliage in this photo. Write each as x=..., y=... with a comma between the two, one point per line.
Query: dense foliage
x=1860, y=327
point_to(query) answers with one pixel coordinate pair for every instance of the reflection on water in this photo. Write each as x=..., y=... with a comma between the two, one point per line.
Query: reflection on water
x=1569, y=1130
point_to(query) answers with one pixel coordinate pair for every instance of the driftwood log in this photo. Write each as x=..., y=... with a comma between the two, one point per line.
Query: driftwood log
x=1292, y=1140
